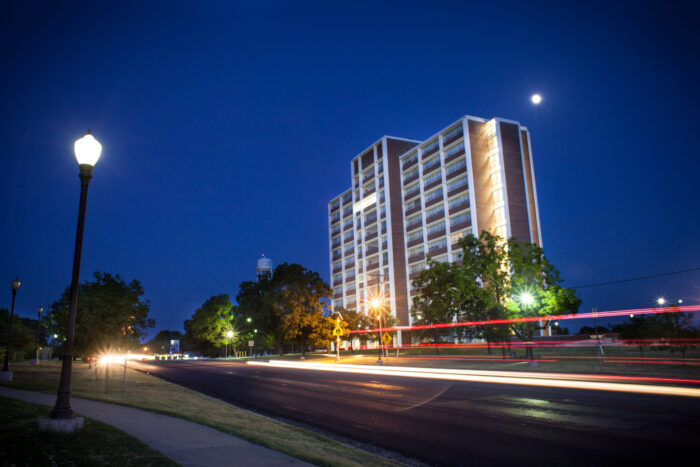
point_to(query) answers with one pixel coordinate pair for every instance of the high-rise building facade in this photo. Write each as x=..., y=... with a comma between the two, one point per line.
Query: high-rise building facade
x=410, y=199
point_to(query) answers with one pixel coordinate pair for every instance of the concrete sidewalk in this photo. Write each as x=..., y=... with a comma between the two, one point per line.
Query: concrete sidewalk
x=187, y=443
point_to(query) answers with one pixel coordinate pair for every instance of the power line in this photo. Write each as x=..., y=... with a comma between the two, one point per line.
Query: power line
x=636, y=278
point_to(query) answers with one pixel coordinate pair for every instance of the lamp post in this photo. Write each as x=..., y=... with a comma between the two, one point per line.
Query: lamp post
x=87, y=152
x=36, y=345
x=229, y=335
x=377, y=305
x=7, y=375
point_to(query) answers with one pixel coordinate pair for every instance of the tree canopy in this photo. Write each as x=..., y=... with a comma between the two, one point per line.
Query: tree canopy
x=286, y=307
x=111, y=314
x=493, y=279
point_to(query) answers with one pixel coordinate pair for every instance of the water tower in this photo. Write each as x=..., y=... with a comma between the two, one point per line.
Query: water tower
x=264, y=266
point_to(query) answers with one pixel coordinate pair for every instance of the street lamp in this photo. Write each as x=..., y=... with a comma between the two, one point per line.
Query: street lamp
x=7, y=375
x=87, y=152
x=661, y=301
x=36, y=345
x=229, y=335
x=376, y=304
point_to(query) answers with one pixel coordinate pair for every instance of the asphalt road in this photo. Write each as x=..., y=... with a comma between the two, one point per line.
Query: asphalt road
x=460, y=423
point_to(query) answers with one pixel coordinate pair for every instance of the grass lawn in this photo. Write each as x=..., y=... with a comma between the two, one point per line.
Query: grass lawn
x=96, y=444
x=151, y=393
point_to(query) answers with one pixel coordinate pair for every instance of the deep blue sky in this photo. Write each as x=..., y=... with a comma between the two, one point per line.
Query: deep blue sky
x=227, y=129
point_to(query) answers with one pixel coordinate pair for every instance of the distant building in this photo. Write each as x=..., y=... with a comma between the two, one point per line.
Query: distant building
x=412, y=198
x=264, y=266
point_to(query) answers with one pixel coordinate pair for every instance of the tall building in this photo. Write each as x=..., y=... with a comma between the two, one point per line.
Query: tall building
x=411, y=198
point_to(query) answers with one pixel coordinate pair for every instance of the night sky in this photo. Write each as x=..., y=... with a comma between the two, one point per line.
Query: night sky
x=227, y=129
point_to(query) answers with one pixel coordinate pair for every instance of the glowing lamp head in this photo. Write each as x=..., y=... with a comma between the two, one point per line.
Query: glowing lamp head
x=376, y=303
x=536, y=99
x=15, y=284
x=526, y=298
x=229, y=334
x=661, y=301
x=248, y=320
x=87, y=150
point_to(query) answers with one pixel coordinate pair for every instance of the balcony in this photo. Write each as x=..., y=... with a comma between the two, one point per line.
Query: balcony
x=410, y=179
x=414, y=226
x=347, y=227
x=335, y=218
x=367, y=178
x=432, y=165
x=412, y=193
x=335, y=244
x=335, y=208
x=459, y=189
x=414, y=258
x=430, y=149
x=454, y=156
x=460, y=226
x=412, y=211
x=452, y=138
x=459, y=207
x=338, y=269
x=415, y=242
x=350, y=292
x=435, y=217
x=409, y=164
x=370, y=236
x=433, y=201
x=337, y=256
x=432, y=184
x=413, y=275
x=338, y=282
x=438, y=234
x=338, y=295
x=369, y=191
x=370, y=220
x=372, y=266
x=349, y=252
x=437, y=251
x=460, y=171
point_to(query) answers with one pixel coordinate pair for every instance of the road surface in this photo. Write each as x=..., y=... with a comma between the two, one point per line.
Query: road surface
x=460, y=423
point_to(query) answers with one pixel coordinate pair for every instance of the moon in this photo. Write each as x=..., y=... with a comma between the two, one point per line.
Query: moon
x=536, y=98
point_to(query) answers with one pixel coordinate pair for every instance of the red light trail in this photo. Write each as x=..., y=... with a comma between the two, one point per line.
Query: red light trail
x=600, y=314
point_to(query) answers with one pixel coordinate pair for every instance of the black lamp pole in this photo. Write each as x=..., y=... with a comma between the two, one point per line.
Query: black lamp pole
x=15, y=286
x=62, y=409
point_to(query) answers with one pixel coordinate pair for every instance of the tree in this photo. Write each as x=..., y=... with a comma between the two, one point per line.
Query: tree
x=299, y=300
x=535, y=290
x=111, y=313
x=286, y=306
x=355, y=320
x=439, y=301
x=23, y=336
x=207, y=328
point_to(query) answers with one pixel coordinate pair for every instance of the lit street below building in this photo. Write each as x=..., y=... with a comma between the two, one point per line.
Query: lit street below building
x=455, y=422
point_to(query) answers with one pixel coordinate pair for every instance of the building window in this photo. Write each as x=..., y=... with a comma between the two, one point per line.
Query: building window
x=417, y=235
x=436, y=245
x=432, y=178
x=433, y=194
x=438, y=227
x=453, y=185
x=453, y=150
x=411, y=158
x=415, y=251
x=411, y=173
x=460, y=219
x=413, y=204
x=437, y=210
x=430, y=147
x=458, y=201
x=454, y=167
x=453, y=133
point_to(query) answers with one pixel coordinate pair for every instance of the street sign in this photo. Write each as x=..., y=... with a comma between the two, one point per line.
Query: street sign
x=386, y=338
x=338, y=331
x=174, y=346
x=251, y=343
